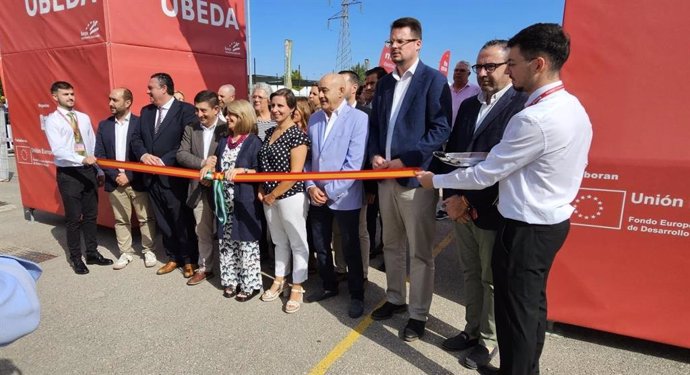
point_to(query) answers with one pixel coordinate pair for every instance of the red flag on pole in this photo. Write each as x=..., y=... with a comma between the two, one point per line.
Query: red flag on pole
x=445, y=61
x=385, y=61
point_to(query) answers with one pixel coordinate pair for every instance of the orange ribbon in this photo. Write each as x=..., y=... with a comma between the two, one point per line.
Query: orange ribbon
x=264, y=176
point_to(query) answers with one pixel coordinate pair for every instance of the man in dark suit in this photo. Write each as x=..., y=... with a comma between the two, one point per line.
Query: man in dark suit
x=125, y=189
x=199, y=143
x=155, y=142
x=479, y=126
x=410, y=119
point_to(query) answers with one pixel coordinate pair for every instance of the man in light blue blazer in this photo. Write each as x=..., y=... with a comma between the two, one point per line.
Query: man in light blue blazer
x=338, y=136
x=410, y=119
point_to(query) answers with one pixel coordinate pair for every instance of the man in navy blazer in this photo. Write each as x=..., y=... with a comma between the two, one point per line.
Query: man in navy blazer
x=479, y=126
x=155, y=142
x=124, y=188
x=410, y=119
x=338, y=135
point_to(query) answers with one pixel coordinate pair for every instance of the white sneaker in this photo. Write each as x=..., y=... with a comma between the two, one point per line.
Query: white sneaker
x=122, y=262
x=150, y=259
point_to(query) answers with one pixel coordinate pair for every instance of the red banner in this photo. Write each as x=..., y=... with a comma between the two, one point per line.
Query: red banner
x=624, y=267
x=385, y=60
x=444, y=63
x=98, y=45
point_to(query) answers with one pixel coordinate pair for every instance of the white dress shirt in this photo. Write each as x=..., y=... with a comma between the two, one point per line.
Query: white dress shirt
x=165, y=108
x=539, y=163
x=332, y=118
x=208, y=136
x=486, y=107
x=61, y=137
x=398, y=96
x=121, y=129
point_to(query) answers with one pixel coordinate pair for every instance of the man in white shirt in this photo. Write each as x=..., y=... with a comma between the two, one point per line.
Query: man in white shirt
x=226, y=94
x=125, y=189
x=72, y=140
x=351, y=86
x=539, y=165
x=338, y=136
x=198, y=147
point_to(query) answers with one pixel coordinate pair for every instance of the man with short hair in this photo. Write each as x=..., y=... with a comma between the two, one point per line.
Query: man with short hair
x=197, y=149
x=72, y=141
x=226, y=94
x=461, y=88
x=539, y=165
x=124, y=188
x=338, y=135
x=409, y=120
x=371, y=77
x=479, y=126
x=155, y=142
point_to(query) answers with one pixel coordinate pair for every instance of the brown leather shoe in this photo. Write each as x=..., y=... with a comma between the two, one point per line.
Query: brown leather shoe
x=188, y=270
x=167, y=268
x=199, y=277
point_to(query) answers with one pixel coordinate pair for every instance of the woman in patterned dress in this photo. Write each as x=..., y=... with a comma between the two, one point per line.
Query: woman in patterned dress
x=237, y=152
x=285, y=203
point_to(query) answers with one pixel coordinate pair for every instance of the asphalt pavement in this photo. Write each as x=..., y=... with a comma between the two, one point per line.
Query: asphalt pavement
x=133, y=321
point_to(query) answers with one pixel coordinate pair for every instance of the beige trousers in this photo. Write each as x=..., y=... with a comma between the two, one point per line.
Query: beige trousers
x=122, y=200
x=408, y=214
x=205, y=233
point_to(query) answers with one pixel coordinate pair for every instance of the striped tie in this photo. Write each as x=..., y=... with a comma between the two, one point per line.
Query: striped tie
x=77, y=134
x=159, y=121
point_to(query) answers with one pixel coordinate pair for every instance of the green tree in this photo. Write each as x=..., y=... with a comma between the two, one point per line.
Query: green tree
x=360, y=70
x=296, y=80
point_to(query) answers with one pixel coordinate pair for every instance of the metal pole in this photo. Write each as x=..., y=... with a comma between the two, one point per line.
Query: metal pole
x=249, y=47
x=4, y=157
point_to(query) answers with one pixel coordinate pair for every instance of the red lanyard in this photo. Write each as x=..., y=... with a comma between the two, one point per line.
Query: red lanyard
x=545, y=94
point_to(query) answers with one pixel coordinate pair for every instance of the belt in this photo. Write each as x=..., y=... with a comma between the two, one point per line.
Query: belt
x=75, y=167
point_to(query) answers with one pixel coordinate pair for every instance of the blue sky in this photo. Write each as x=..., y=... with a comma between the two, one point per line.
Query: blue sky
x=461, y=26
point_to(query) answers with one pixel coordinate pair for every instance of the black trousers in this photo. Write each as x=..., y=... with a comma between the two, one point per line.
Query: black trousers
x=79, y=191
x=372, y=219
x=322, y=233
x=522, y=257
x=175, y=220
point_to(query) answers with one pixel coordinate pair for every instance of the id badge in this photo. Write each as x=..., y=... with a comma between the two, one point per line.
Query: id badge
x=79, y=147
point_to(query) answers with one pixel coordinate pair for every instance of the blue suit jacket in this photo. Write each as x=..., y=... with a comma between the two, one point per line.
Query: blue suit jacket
x=464, y=138
x=166, y=143
x=423, y=122
x=343, y=150
x=247, y=209
x=105, y=148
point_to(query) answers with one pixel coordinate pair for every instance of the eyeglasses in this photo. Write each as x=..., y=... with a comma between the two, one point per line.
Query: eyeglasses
x=258, y=97
x=398, y=42
x=490, y=67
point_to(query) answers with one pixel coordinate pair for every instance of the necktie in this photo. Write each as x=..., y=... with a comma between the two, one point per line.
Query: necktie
x=77, y=134
x=159, y=121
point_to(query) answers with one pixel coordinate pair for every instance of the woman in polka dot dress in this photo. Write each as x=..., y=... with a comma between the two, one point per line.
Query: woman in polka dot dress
x=285, y=203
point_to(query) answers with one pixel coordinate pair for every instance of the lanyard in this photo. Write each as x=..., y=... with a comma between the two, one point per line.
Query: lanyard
x=76, y=120
x=545, y=94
